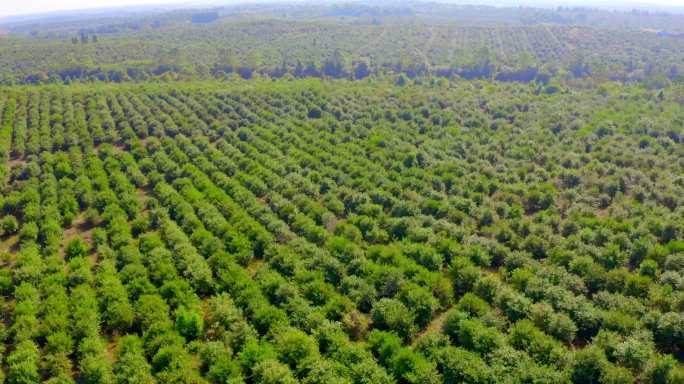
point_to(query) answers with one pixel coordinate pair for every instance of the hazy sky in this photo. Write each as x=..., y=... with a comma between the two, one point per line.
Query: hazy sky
x=18, y=7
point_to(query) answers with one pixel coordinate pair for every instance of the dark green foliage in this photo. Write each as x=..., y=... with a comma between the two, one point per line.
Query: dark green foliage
x=588, y=366
x=132, y=366
x=295, y=347
x=460, y=366
x=445, y=231
x=405, y=364
x=189, y=323
x=543, y=348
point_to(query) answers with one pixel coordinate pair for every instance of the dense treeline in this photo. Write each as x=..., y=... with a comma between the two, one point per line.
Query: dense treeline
x=263, y=45
x=342, y=232
x=669, y=19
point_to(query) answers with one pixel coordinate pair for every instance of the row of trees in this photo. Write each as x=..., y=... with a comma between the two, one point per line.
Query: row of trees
x=237, y=236
x=280, y=48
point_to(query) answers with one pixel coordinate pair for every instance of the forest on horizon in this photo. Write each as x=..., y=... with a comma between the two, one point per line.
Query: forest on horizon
x=351, y=41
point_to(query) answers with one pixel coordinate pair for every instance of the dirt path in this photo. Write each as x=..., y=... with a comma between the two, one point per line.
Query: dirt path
x=79, y=228
x=10, y=245
x=16, y=162
x=254, y=266
x=435, y=326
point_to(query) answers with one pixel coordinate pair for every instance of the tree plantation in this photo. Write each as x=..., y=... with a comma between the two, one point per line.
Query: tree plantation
x=310, y=231
x=374, y=192
x=352, y=42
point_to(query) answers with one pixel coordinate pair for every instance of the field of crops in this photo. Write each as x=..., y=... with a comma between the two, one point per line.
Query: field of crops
x=341, y=232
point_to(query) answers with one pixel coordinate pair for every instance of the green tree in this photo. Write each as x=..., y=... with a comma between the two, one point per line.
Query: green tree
x=189, y=323
x=391, y=314
x=272, y=372
x=9, y=225
x=76, y=248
